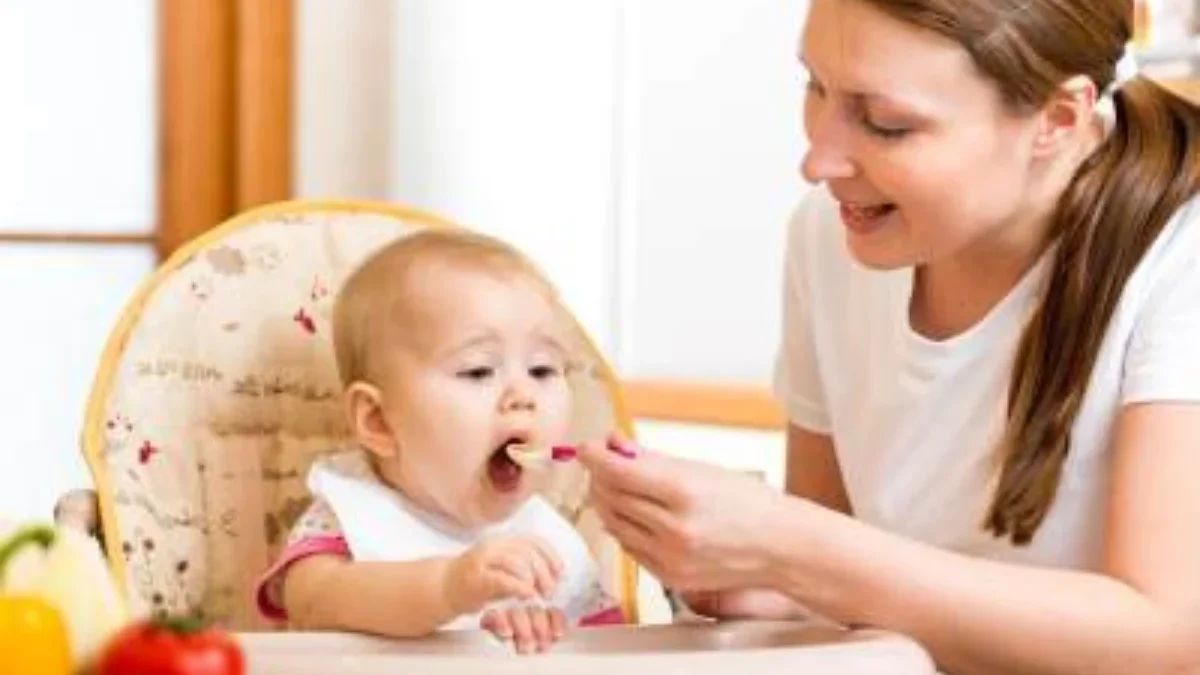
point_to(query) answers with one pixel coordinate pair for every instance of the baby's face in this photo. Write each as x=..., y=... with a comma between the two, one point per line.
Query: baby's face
x=477, y=365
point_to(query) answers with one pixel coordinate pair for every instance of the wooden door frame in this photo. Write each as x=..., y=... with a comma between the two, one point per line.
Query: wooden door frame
x=743, y=406
x=226, y=113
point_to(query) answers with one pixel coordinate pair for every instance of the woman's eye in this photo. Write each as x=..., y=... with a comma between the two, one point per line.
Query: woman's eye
x=480, y=373
x=813, y=87
x=890, y=133
x=544, y=372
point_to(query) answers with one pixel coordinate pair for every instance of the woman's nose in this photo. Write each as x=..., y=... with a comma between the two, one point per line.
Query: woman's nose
x=823, y=163
x=827, y=157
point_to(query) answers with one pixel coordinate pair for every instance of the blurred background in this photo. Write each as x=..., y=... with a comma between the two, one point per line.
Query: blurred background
x=643, y=151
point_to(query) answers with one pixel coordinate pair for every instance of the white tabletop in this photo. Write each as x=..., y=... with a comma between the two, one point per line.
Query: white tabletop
x=746, y=648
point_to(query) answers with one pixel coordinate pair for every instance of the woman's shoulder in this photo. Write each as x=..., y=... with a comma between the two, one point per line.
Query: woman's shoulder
x=1152, y=333
x=1180, y=239
x=1173, y=257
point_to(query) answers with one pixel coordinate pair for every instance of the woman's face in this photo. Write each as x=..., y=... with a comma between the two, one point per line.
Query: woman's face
x=912, y=141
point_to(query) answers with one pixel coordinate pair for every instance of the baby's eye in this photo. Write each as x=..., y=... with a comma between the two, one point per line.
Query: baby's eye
x=480, y=373
x=544, y=372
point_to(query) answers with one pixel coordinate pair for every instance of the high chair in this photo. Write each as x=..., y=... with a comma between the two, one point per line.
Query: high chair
x=218, y=388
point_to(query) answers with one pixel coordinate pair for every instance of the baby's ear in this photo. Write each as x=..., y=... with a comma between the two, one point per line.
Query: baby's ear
x=364, y=408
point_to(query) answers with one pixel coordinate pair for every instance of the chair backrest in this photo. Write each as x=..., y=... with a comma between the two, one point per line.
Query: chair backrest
x=218, y=388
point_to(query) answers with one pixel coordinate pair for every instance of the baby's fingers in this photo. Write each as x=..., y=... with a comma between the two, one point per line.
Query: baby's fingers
x=558, y=623
x=527, y=563
x=549, y=625
x=497, y=623
x=544, y=564
x=524, y=638
x=545, y=570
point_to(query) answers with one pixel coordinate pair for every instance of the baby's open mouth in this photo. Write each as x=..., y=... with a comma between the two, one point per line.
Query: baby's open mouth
x=505, y=473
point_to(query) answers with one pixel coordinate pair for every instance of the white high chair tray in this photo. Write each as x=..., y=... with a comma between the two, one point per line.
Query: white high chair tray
x=695, y=649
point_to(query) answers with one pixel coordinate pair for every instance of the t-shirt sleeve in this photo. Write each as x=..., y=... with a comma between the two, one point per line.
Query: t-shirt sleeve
x=317, y=532
x=1162, y=360
x=798, y=383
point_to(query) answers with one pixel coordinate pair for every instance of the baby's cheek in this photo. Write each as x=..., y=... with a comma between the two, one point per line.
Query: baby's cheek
x=558, y=410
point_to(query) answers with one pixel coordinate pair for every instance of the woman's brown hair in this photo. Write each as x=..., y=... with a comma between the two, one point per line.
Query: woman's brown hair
x=1117, y=203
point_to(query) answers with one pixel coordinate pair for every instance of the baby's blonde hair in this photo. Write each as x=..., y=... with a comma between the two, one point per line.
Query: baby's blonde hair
x=373, y=297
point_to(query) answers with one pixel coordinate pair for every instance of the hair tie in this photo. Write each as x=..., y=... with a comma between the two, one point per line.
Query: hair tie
x=1127, y=69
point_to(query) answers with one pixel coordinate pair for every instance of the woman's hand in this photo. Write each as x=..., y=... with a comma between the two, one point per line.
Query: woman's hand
x=694, y=526
x=750, y=603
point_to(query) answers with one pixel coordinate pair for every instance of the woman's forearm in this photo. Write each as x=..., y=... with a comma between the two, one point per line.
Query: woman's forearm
x=973, y=615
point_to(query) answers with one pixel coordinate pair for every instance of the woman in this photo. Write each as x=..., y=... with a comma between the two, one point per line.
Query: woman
x=989, y=358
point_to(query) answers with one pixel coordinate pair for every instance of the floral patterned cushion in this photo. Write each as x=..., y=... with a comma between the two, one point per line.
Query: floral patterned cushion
x=218, y=390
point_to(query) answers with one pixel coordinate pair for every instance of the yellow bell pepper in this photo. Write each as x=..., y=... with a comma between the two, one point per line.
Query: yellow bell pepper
x=33, y=635
x=33, y=638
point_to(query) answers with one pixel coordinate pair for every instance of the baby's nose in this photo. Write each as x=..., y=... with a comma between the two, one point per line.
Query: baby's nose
x=518, y=399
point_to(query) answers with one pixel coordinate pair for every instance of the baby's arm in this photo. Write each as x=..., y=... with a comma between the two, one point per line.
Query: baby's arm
x=415, y=598
x=316, y=584
x=397, y=599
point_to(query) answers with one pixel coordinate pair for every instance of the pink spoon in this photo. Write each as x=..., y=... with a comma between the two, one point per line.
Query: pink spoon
x=525, y=452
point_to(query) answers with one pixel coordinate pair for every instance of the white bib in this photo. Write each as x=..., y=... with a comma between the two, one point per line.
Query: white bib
x=379, y=524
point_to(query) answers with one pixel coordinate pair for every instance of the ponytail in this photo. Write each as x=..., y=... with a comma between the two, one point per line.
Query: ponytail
x=1118, y=202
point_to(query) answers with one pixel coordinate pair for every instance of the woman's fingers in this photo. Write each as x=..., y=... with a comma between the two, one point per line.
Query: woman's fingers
x=633, y=516
x=648, y=475
x=618, y=443
x=636, y=522
x=653, y=518
x=634, y=538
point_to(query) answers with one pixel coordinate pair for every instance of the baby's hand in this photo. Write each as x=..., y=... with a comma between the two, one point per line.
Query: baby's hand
x=525, y=568
x=532, y=629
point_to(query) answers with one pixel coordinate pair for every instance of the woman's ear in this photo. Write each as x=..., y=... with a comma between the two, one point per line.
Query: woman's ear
x=1070, y=110
x=369, y=424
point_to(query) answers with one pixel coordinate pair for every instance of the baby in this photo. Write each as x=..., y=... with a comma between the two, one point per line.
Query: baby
x=450, y=347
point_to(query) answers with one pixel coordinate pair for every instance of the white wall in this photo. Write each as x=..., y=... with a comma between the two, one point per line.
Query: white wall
x=711, y=141
x=643, y=151
x=77, y=153
x=504, y=121
x=343, y=98
x=78, y=116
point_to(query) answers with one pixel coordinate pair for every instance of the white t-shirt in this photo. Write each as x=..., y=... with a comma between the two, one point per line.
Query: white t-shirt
x=916, y=422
